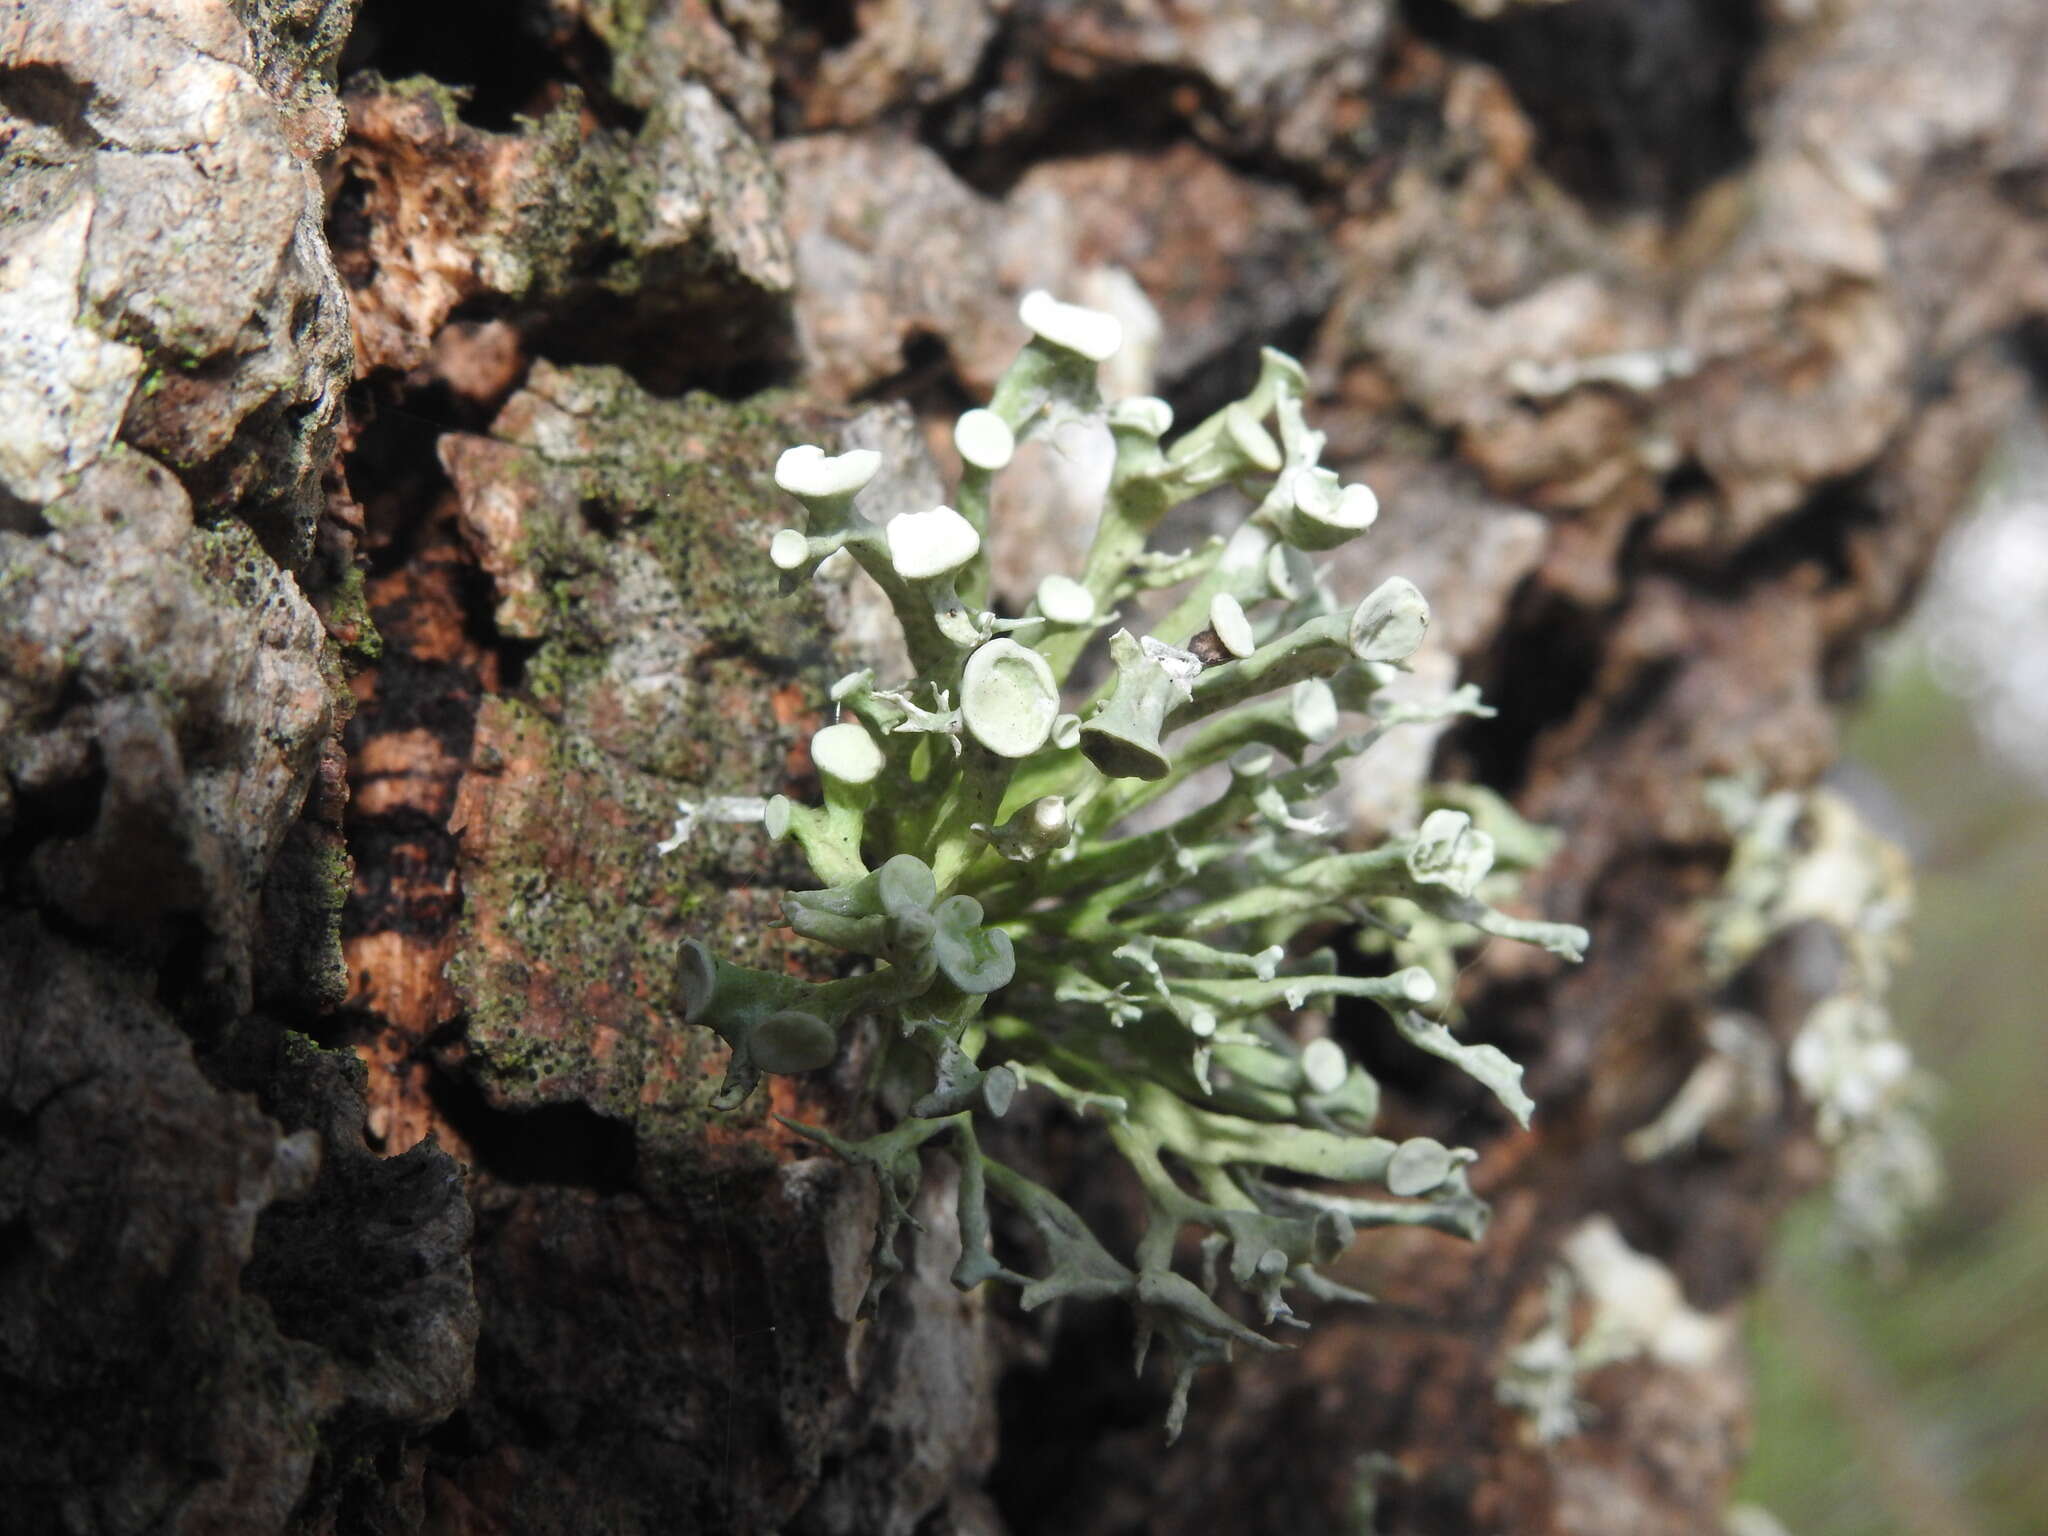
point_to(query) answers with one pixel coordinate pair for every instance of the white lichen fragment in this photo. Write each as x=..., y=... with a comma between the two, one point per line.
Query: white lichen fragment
x=1640, y=372
x=1804, y=862
x=742, y=809
x=1540, y=1376
x=1638, y=1306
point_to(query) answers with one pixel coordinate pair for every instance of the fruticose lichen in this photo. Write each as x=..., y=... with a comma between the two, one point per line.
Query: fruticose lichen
x=1804, y=862
x=1055, y=897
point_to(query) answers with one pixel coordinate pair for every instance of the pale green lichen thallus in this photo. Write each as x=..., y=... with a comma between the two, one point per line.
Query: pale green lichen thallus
x=1013, y=925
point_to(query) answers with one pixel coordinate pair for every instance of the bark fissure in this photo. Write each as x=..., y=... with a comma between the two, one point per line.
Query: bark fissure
x=353, y=1146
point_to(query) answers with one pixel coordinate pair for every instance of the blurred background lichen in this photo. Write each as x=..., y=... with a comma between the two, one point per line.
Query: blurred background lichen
x=1910, y=1398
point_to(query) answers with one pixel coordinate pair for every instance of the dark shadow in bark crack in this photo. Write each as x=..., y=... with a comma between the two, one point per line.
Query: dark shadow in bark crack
x=1638, y=104
x=509, y=56
x=569, y=1144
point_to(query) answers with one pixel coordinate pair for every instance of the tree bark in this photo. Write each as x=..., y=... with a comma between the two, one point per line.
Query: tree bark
x=387, y=405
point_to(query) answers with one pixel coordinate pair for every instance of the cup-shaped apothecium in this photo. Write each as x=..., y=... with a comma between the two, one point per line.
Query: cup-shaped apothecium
x=1008, y=698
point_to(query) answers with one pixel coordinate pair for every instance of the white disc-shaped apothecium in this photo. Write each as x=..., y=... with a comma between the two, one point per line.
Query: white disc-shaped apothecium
x=1323, y=1064
x=1390, y=623
x=1313, y=489
x=1008, y=699
x=1049, y=821
x=984, y=439
x=1314, y=706
x=1251, y=763
x=1329, y=515
x=788, y=549
x=1226, y=617
x=847, y=752
x=1449, y=851
x=1141, y=413
x=1251, y=438
x=1289, y=573
x=806, y=471
x=1090, y=332
x=999, y=1090
x=1358, y=507
x=1419, y=1165
x=927, y=544
x=1417, y=985
x=1064, y=600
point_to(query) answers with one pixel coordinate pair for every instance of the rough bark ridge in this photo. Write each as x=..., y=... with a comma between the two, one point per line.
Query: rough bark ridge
x=370, y=583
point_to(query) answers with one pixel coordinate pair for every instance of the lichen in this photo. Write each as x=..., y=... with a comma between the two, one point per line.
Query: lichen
x=1804, y=860
x=1025, y=911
